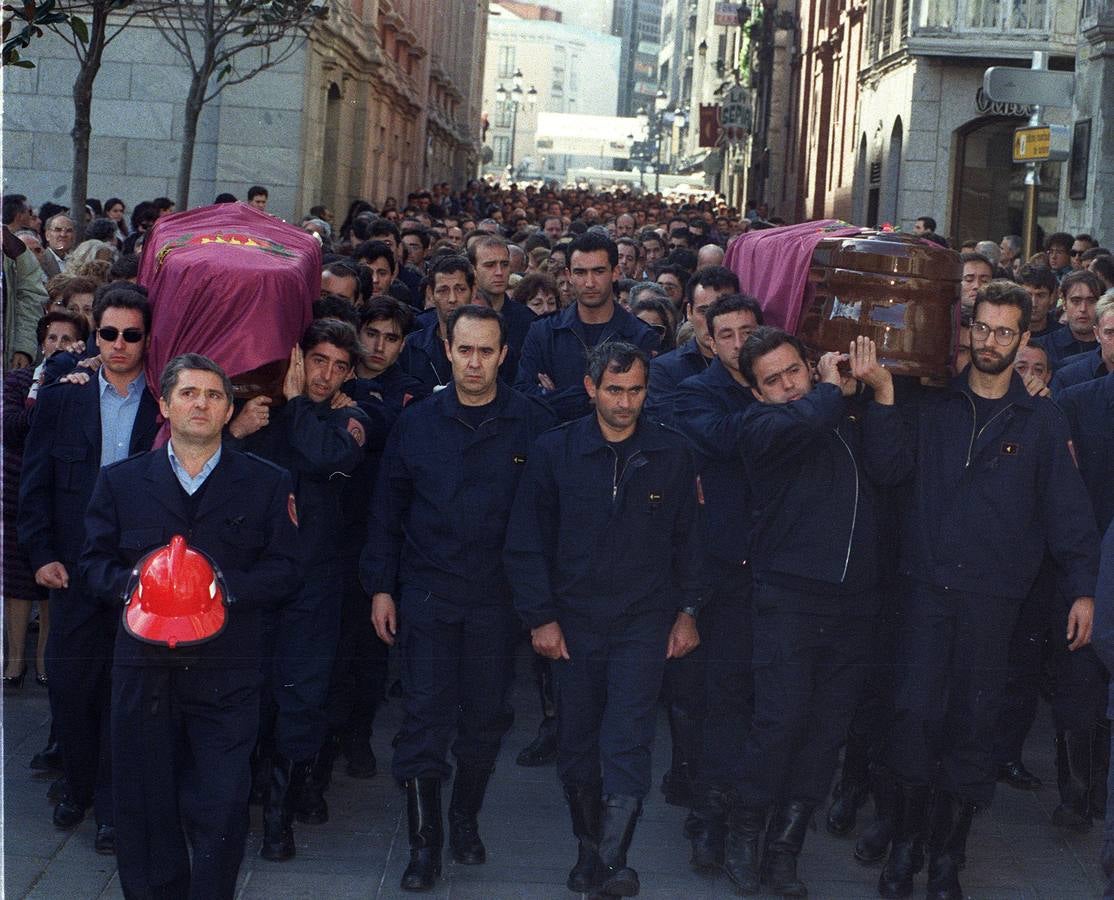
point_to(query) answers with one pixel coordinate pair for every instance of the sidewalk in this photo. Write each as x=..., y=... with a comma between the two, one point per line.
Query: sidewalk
x=1014, y=852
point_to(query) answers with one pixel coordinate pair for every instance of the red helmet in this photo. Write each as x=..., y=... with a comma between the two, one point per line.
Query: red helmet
x=176, y=596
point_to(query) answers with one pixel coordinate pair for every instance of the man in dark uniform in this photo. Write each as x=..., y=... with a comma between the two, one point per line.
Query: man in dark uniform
x=1097, y=364
x=813, y=465
x=450, y=284
x=319, y=436
x=491, y=259
x=717, y=696
x=239, y=510
x=552, y=363
x=77, y=428
x=603, y=534
x=992, y=481
x=438, y=522
x=1081, y=291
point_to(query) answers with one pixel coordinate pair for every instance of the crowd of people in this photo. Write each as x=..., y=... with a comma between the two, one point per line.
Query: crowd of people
x=551, y=415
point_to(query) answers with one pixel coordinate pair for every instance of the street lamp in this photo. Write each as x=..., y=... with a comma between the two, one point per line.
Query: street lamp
x=513, y=100
x=661, y=101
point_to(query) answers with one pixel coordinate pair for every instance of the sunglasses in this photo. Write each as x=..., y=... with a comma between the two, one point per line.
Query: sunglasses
x=109, y=334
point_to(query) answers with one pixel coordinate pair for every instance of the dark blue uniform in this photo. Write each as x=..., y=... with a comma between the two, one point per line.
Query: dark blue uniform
x=1078, y=369
x=558, y=345
x=207, y=695
x=985, y=500
x=812, y=469
x=667, y=371
x=60, y=466
x=601, y=545
x=423, y=358
x=320, y=447
x=438, y=521
x=1061, y=345
x=708, y=410
x=1103, y=641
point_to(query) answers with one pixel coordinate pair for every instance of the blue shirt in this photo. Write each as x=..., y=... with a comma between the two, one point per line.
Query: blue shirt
x=190, y=483
x=118, y=417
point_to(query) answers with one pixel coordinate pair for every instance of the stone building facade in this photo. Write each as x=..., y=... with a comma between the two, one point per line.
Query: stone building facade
x=383, y=98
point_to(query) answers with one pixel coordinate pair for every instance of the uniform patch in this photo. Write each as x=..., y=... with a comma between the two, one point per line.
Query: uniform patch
x=699, y=491
x=1009, y=449
x=1071, y=450
x=355, y=429
x=292, y=510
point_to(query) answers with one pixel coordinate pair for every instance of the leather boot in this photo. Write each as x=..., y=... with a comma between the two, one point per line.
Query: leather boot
x=423, y=811
x=542, y=751
x=357, y=750
x=906, y=857
x=711, y=833
x=278, y=811
x=1075, y=777
x=874, y=842
x=684, y=734
x=740, y=862
x=310, y=805
x=469, y=787
x=951, y=822
x=852, y=788
x=584, y=808
x=618, y=815
x=784, y=839
x=1100, y=755
x=49, y=759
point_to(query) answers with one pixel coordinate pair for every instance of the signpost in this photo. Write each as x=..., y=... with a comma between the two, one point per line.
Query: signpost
x=1041, y=143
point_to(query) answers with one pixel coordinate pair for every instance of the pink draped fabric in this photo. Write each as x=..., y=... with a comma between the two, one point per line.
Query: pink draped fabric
x=773, y=265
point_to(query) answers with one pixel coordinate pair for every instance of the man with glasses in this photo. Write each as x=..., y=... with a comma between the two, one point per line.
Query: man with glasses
x=992, y=482
x=78, y=427
x=1081, y=244
x=1058, y=247
x=59, y=238
x=1081, y=292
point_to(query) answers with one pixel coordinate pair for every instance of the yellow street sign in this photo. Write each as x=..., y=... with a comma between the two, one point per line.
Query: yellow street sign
x=1032, y=144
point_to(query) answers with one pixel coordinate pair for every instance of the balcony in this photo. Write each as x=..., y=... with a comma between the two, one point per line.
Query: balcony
x=997, y=29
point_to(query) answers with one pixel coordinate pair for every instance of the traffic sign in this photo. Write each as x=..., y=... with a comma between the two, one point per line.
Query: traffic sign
x=1033, y=87
x=1041, y=143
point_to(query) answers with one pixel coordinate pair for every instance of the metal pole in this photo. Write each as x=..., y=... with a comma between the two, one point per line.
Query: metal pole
x=514, y=128
x=1032, y=173
x=657, y=165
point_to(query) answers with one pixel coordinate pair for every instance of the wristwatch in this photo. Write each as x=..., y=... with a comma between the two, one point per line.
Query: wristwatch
x=688, y=610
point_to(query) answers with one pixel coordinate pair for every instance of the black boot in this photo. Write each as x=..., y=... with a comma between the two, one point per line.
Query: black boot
x=584, y=808
x=278, y=811
x=684, y=734
x=618, y=815
x=423, y=810
x=310, y=805
x=874, y=842
x=469, y=787
x=49, y=759
x=744, y=828
x=1075, y=777
x=951, y=822
x=1100, y=756
x=711, y=831
x=542, y=751
x=357, y=750
x=906, y=857
x=851, y=790
x=784, y=839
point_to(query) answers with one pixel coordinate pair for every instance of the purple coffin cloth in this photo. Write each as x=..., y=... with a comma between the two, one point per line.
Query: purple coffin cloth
x=773, y=265
x=230, y=282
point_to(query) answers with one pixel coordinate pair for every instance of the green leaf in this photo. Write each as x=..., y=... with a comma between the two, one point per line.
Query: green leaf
x=23, y=64
x=225, y=72
x=248, y=29
x=80, y=29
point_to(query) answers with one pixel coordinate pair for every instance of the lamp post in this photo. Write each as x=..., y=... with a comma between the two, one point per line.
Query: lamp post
x=651, y=124
x=514, y=99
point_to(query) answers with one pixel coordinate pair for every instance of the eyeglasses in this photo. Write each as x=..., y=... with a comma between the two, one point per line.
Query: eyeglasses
x=1075, y=253
x=109, y=334
x=980, y=331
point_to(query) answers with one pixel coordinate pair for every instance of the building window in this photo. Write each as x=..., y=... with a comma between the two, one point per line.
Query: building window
x=558, y=80
x=504, y=114
x=501, y=148
x=506, y=61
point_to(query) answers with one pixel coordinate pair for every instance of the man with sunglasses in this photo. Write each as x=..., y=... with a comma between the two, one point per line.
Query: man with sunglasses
x=78, y=427
x=992, y=483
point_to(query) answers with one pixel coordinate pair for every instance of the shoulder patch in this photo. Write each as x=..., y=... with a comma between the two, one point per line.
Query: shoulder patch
x=292, y=509
x=355, y=428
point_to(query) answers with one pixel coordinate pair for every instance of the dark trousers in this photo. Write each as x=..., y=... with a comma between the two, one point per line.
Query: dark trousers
x=79, y=660
x=184, y=738
x=360, y=670
x=1021, y=694
x=811, y=655
x=300, y=641
x=1079, y=701
x=1107, y=856
x=456, y=669
x=606, y=699
x=952, y=667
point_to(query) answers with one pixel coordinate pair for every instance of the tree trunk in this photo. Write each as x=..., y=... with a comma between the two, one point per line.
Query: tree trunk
x=194, y=103
x=88, y=67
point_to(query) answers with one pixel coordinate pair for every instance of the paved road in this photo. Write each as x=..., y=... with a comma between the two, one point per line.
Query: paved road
x=1014, y=851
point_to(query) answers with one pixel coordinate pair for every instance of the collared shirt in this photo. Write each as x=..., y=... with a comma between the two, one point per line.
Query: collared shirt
x=190, y=483
x=118, y=417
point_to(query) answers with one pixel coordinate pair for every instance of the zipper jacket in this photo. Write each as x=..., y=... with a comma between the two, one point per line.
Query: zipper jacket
x=984, y=501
